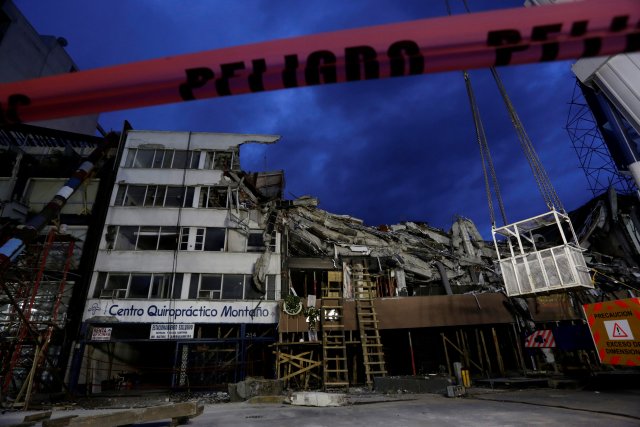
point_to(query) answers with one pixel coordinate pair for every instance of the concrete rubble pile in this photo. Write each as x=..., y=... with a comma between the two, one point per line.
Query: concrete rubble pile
x=425, y=260
x=431, y=261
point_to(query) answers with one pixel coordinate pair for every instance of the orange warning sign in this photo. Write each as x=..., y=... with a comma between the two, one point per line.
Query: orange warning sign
x=614, y=327
x=478, y=40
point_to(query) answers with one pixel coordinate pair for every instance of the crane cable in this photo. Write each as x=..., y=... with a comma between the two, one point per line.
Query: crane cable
x=485, y=155
x=547, y=191
x=488, y=170
x=545, y=187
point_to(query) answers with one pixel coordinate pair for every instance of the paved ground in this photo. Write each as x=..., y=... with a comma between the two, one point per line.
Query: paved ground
x=480, y=408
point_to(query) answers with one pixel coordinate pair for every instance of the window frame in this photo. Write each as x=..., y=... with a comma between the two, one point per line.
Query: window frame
x=204, y=199
x=168, y=285
x=164, y=158
x=159, y=198
x=137, y=231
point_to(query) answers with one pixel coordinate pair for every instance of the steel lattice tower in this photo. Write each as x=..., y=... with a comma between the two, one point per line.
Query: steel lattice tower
x=593, y=153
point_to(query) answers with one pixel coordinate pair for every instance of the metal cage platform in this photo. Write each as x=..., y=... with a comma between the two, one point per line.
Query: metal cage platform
x=530, y=266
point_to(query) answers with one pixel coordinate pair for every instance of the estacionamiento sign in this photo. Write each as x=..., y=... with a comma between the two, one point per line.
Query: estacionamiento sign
x=615, y=328
x=165, y=331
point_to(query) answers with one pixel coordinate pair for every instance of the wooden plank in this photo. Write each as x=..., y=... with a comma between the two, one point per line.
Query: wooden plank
x=461, y=352
x=153, y=413
x=301, y=371
x=38, y=417
x=499, y=355
x=24, y=424
x=486, y=352
x=58, y=422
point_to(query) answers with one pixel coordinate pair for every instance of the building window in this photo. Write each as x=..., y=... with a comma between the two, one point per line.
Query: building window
x=210, y=286
x=162, y=159
x=229, y=287
x=168, y=239
x=177, y=286
x=221, y=160
x=146, y=238
x=138, y=285
x=272, y=293
x=214, y=197
x=115, y=286
x=199, y=239
x=184, y=239
x=126, y=238
x=155, y=196
x=203, y=239
x=171, y=238
x=255, y=241
x=174, y=197
x=130, y=195
x=233, y=286
x=217, y=286
x=214, y=239
x=189, y=193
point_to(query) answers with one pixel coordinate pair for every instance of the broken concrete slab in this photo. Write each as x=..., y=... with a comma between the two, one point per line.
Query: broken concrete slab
x=256, y=386
x=317, y=398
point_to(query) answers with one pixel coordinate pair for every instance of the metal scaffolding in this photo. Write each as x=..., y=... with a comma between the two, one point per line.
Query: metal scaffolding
x=29, y=330
x=593, y=153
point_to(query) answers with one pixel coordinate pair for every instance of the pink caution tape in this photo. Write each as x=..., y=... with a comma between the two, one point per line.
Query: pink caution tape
x=503, y=37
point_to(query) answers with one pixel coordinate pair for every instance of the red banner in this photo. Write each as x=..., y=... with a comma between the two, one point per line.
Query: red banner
x=503, y=37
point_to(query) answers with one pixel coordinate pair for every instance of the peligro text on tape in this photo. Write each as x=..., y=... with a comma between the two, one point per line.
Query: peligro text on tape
x=582, y=29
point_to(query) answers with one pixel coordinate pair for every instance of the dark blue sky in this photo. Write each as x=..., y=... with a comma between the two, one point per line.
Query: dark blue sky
x=384, y=151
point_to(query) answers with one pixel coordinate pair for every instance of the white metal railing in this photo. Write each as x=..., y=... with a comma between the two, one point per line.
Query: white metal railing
x=559, y=267
x=526, y=269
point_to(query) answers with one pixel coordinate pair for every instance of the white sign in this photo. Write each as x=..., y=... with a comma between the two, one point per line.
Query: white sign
x=165, y=331
x=618, y=329
x=183, y=311
x=101, y=334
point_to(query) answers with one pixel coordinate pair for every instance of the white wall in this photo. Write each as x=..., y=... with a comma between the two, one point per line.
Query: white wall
x=185, y=261
x=194, y=140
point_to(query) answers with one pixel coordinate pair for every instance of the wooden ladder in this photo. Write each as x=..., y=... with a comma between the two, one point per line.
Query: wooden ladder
x=372, y=352
x=334, y=351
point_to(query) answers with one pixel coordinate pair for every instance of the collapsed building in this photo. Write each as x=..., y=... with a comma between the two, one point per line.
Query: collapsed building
x=437, y=295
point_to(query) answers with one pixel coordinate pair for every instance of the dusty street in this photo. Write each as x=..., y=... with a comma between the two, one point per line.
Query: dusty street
x=480, y=408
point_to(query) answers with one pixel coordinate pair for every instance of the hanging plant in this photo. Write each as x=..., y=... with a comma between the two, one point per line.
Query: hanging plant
x=313, y=315
x=292, y=305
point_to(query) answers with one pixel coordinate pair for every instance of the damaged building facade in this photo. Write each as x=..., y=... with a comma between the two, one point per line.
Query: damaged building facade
x=187, y=276
x=205, y=275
